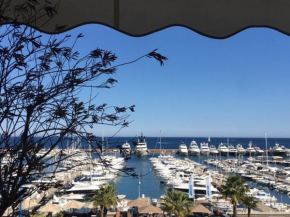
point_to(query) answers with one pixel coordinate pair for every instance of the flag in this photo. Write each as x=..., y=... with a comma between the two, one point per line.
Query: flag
x=208, y=187
x=190, y=189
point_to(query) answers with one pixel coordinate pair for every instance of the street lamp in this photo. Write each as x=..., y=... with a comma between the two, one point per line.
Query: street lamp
x=139, y=184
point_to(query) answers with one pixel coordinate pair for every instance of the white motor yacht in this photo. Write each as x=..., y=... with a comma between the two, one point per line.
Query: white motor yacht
x=223, y=150
x=250, y=150
x=141, y=147
x=240, y=149
x=182, y=150
x=261, y=195
x=126, y=148
x=83, y=188
x=258, y=150
x=232, y=150
x=213, y=150
x=193, y=148
x=278, y=150
x=204, y=149
x=199, y=187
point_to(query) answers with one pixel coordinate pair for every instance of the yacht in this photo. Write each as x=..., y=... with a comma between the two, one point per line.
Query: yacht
x=250, y=150
x=261, y=195
x=126, y=148
x=258, y=150
x=182, y=150
x=193, y=148
x=279, y=150
x=84, y=187
x=240, y=149
x=199, y=186
x=223, y=150
x=204, y=149
x=213, y=150
x=141, y=147
x=232, y=150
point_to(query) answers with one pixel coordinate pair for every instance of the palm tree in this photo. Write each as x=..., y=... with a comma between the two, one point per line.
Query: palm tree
x=177, y=203
x=105, y=197
x=250, y=202
x=235, y=189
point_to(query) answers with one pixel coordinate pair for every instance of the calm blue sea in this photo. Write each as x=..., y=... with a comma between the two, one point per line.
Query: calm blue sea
x=167, y=142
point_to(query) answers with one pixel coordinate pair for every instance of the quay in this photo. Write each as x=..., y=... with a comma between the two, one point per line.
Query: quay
x=151, y=151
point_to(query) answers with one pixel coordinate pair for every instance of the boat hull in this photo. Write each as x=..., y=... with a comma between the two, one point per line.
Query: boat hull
x=194, y=153
x=278, y=153
x=223, y=153
x=141, y=153
x=206, y=153
x=183, y=153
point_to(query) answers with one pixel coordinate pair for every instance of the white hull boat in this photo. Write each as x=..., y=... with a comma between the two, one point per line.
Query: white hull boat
x=223, y=150
x=204, y=149
x=213, y=150
x=141, y=147
x=126, y=149
x=182, y=150
x=193, y=149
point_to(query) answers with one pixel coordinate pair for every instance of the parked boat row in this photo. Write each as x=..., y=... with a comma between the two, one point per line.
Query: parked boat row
x=193, y=149
x=80, y=173
x=176, y=173
x=229, y=149
x=275, y=178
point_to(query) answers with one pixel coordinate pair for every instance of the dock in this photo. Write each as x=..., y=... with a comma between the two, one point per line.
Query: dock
x=151, y=151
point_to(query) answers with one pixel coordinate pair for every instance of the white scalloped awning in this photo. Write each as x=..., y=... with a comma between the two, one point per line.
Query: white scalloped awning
x=213, y=18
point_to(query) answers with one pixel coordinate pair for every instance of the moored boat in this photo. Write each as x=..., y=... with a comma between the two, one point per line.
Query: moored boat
x=232, y=150
x=258, y=150
x=126, y=149
x=204, y=149
x=278, y=150
x=222, y=149
x=141, y=147
x=240, y=149
x=250, y=150
x=193, y=148
x=213, y=150
x=182, y=150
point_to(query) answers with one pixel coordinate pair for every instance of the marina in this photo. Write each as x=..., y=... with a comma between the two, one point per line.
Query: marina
x=160, y=169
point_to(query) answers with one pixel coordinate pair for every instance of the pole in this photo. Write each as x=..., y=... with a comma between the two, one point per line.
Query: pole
x=139, y=183
x=266, y=148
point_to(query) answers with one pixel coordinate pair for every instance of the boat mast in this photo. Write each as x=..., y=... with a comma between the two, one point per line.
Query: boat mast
x=228, y=144
x=89, y=135
x=266, y=148
x=160, y=142
x=103, y=142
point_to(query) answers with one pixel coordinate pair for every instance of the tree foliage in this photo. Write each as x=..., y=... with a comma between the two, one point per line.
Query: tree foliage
x=235, y=189
x=41, y=81
x=176, y=203
x=250, y=202
x=105, y=197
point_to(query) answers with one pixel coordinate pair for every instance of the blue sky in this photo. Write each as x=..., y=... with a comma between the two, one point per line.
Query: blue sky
x=235, y=87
